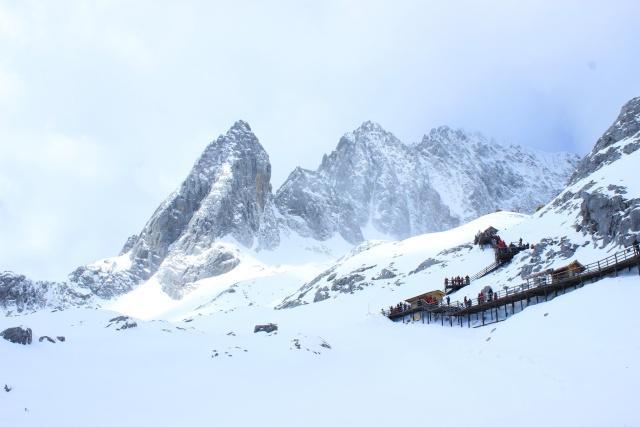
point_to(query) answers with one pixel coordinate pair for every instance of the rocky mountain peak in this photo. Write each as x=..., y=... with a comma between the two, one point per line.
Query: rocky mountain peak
x=370, y=135
x=444, y=134
x=607, y=149
x=370, y=127
x=226, y=193
x=627, y=124
x=239, y=127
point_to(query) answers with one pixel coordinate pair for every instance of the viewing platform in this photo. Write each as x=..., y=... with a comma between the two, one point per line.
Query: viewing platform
x=495, y=306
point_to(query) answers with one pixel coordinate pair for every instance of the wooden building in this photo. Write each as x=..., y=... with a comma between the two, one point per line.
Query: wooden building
x=435, y=296
x=566, y=272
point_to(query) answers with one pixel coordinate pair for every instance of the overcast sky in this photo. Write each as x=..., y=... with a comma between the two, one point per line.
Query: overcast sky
x=104, y=106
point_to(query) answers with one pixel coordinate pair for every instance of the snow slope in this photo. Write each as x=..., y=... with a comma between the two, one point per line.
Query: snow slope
x=543, y=367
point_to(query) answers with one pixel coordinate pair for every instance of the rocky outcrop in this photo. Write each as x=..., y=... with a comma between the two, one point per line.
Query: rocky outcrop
x=313, y=208
x=18, y=335
x=20, y=294
x=602, y=189
x=613, y=219
x=104, y=283
x=607, y=150
x=122, y=323
x=268, y=328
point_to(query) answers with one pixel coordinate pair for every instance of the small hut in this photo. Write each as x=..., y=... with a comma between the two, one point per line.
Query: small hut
x=435, y=296
x=539, y=278
x=569, y=270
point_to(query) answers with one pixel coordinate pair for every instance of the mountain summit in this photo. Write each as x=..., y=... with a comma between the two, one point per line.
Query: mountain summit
x=371, y=186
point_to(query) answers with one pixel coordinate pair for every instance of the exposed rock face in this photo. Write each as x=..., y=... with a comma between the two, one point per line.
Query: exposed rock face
x=19, y=294
x=18, y=335
x=122, y=323
x=373, y=180
x=603, y=188
x=227, y=193
x=313, y=208
x=370, y=178
x=104, y=283
x=607, y=149
x=181, y=269
x=268, y=328
x=476, y=176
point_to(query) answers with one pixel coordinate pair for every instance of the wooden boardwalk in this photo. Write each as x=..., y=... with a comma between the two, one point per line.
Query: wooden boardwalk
x=502, y=255
x=547, y=286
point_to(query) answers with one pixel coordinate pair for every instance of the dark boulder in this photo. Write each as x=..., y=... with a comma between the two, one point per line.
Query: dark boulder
x=18, y=335
x=268, y=328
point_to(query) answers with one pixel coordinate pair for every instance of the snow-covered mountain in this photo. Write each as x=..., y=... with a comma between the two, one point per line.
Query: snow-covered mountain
x=166, y=361
x=475, y=176
x=597, y=212
x=372, y=185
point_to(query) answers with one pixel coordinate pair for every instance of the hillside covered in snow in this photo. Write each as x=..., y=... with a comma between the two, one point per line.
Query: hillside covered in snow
x=174, y=340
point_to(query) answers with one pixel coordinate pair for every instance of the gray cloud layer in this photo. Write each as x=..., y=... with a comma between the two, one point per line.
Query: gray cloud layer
x=104, y=106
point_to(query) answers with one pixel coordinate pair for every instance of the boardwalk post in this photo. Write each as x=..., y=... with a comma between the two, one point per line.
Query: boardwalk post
x=468, y=320
x=615, y=266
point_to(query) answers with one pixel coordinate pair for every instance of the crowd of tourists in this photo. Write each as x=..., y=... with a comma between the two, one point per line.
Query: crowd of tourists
x=456, y=282
x=482, y=298
x=401, y=307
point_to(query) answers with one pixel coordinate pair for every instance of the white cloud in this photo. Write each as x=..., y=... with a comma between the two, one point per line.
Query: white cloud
x=10, y=24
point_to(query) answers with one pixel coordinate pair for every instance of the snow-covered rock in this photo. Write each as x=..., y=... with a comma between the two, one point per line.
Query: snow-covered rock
x=373, y=184
x=603, y=196
x=19, y=294
x=475, y=176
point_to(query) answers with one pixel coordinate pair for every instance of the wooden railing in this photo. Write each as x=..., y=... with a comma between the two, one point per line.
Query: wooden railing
x=598, y=268
x=605, y=265
x=486, y=270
